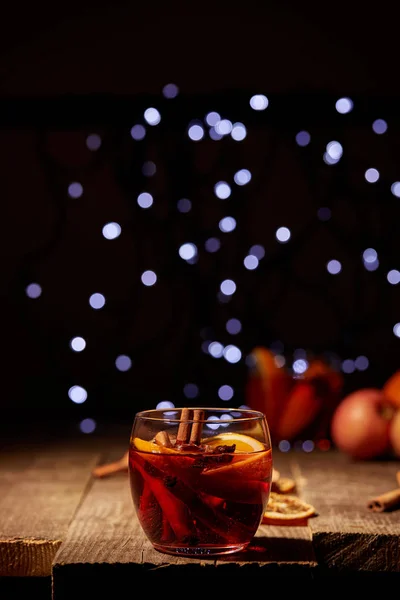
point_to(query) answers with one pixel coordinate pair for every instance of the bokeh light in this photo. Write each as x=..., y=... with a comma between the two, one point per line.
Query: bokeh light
x=379, y=126
x=259, y=102
x=344, y=105
x=196, y=132
x=111, y=231
x=283, y=235
x=393, y=277
x=184, y=205
x=145, y=200
x=77, y=394
x=170, y=90
x=222, y=190
x=284, y=446
x=152, y=116
x=211, y=422
x=148, y=278
x=33, y=290
x=97, y=301
x=227, y=224
x=149, y=168
x=258, y=251
x=212, y=244
x=370, y=255
x=123, y=362
x=238, y=132
x=87, y=425
x=138, y=132
x=232, y=354
x=187, y=251
x=303, y=138
x=242, y=177
x=77, y=344
x=348, y=366
x=228, y=287
x=191, y=390
x=308, y=446
x=223, y=127
x=75, y=189
x=395, y=189
x=334, y=267
x=212, y=118
x=300, y=366
x=225, y=392
x=361, y=363
x=324, y=213
x=396, y=330
x=93, y=142
x=334, y=150
x=251, y=262
x=372, y=175
x=216, y=349
x=164, y=404
x=233, y=326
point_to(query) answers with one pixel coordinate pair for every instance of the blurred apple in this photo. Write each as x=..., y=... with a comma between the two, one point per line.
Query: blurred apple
x=360, y=424
x=394, y=434
x=391, y=389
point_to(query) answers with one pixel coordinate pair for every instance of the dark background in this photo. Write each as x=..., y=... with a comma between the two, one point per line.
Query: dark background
x=78, y=68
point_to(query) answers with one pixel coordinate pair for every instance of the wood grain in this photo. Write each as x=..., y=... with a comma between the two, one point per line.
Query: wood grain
x=346, y=536
x=40, y=489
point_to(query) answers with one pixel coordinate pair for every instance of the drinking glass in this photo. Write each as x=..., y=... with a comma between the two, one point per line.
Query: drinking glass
x=200, y=478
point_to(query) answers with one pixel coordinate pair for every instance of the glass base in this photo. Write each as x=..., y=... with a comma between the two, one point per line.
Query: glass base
x=205, y=551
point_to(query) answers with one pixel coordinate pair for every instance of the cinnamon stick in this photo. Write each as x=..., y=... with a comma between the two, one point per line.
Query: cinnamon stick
x=197, y=427
x=113, y=467
x=183, y=434
x=388, y=501
x=398, y=478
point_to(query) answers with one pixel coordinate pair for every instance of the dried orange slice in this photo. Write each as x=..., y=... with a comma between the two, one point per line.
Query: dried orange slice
x=285, y=509
x=283, y=485
x=145, y=446
x=243, y=443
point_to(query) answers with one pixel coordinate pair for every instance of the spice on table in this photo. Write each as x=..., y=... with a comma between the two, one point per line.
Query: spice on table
x=112, y=468
x=385, y=502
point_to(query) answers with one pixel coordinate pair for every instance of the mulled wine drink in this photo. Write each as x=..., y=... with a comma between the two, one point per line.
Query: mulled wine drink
x=200, y=486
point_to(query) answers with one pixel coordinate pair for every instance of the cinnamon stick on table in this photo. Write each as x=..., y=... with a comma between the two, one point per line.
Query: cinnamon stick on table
x=398, y=478
x=384, y=502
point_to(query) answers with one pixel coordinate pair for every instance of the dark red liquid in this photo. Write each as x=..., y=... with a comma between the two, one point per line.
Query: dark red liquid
x=186, y=501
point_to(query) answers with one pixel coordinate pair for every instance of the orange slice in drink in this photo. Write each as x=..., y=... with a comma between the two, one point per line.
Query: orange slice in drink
x=243, y=443
x=283, y=509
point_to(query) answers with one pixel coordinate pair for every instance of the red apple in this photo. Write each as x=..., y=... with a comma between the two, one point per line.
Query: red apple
x=394, y=434
x=360, y=424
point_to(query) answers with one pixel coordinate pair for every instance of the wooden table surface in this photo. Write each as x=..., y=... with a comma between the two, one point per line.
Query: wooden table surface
x=58, y=522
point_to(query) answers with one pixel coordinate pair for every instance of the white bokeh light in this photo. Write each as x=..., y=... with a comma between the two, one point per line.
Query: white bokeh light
x=216, y=349
x=184, y=205
x=370, y=255
x=348, y=366
x=214, y=135
x=344, y=105
x=329, y=160
x=395, y=189
x=138, y=132
x=145, y=200
x=227, y=224
x=334, y=149
x=259, y=102
x=75, y=189
x=223, y=127
x=308, y=446
x=371, y=266
x=212, y=422
x=77, y=344
x=251, y=262
x=371, y=175
x=93, y=142
x=232, y=354
x=334, y=267
x=228, y=287
x=225, y=392
x=196, y=132
x=300, y=366
x=238, y=132
x=123, y=362
x=77, y=394
x=284, y=446
x=87, y=425
x=396, y=330
x=152, y=116
x=379, y=126
x=33, y=290
x=212, y=118
x=187, y=251
x=111, y=231
x=148, y=278
x=303, y=138
x=283, y=234
x=242, y=177
x=222, y=190
x=393, y=277
x=164, y=404
x=97, y=301
x=361, y=363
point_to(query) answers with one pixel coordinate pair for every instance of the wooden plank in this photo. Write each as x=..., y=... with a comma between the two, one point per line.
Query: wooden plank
x=40, y=489
x=346, y=536
x=105, y=544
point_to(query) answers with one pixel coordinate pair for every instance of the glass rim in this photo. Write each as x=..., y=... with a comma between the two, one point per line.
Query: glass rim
x=256, y=415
